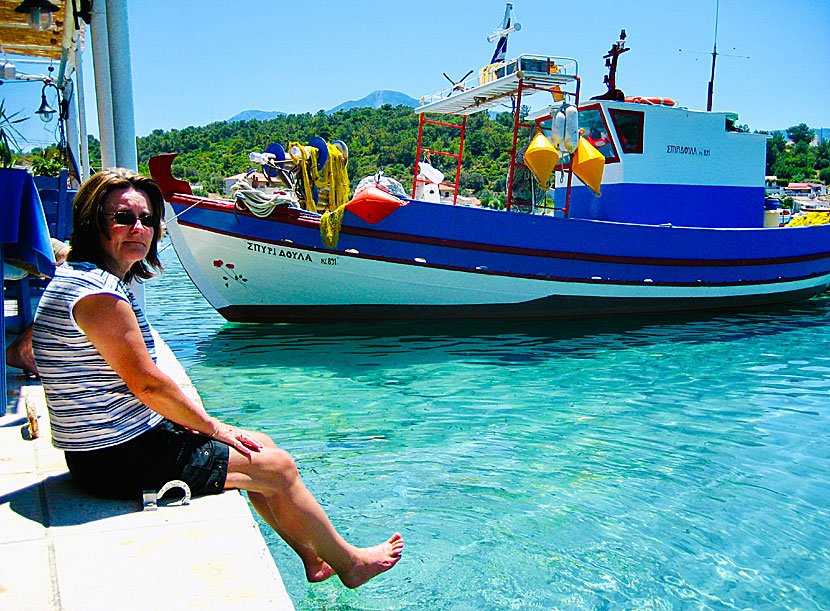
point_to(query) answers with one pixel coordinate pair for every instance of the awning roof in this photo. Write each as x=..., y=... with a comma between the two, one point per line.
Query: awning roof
x=496, y=82
x=16, y=37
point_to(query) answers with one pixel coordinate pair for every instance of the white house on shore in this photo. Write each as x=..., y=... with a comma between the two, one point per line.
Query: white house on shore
x=809, y=190
x=805, y=189
x=255, y=179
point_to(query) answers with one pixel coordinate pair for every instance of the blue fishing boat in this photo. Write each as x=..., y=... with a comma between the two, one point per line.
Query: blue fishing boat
x=615, y=205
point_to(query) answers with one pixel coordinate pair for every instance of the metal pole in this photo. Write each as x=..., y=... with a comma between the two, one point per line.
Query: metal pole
x=714, y=57
x=512, y=171
x=121, y=82
x=3, y=343
x=84, y=139
x=103, y=91
x=73, y=132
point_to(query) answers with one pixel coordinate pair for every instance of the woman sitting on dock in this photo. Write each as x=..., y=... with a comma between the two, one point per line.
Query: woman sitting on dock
x=124, y=425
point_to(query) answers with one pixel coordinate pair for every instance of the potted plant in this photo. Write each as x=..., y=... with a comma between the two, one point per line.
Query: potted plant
x=9, y=135
x=47, y=163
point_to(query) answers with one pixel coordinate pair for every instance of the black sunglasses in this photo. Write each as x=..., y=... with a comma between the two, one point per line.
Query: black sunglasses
x=123, y=217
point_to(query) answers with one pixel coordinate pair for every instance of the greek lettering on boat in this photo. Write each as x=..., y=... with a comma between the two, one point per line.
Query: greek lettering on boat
x=276, y=251
x=681, y=150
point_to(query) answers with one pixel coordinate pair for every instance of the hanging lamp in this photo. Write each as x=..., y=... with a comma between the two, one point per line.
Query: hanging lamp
x=39, y=13
x=45, y=111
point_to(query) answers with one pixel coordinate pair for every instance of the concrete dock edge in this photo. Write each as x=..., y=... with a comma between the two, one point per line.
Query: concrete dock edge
x=63, y=549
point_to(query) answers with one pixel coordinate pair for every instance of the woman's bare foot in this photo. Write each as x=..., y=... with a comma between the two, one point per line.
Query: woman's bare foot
x=317, y=570
x=19, y=353
x=372, y=561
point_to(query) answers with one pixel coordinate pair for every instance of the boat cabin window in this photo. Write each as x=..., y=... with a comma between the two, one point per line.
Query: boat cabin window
x=629, y=126
x=596, y=132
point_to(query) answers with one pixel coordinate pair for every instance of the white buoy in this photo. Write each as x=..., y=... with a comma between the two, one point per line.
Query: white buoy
x=571, y=139
x=557, y=131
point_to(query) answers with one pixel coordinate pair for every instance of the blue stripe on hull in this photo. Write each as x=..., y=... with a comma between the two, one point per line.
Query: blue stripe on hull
x=680, y=205
x=548, y=248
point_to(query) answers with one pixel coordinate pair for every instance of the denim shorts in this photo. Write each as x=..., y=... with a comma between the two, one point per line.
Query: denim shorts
x=166, y=452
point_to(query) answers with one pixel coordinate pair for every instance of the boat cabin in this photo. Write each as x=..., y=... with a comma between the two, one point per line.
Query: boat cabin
x=663, y=164
x=668, y=165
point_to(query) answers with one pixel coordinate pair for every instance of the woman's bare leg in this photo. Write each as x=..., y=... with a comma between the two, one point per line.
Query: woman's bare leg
x=19, y=353
x=300, y=519
x=316, y=569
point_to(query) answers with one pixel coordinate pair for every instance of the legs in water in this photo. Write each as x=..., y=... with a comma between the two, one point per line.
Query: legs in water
x=280, y=497
x=316, y=569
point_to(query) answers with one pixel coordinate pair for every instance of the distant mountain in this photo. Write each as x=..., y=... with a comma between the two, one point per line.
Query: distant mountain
x=376, y=99
x=259, y=115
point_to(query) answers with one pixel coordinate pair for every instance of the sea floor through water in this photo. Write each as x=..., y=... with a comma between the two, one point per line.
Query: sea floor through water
x=639, y=463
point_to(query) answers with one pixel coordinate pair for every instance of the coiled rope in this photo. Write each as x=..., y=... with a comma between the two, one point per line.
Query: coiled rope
x=260, y=204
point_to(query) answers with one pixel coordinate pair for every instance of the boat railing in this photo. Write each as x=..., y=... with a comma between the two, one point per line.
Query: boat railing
x=496, y=82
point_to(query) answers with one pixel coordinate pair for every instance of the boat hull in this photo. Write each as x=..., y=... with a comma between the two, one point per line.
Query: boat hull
x=435, y=261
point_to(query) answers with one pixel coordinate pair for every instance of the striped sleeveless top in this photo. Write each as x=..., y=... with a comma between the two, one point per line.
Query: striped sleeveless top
x=90, y=406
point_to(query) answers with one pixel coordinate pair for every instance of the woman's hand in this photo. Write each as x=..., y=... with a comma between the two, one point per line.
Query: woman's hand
x=240, y=440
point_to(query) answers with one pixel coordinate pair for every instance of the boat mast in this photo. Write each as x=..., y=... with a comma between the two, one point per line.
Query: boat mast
x=611, y=58
x=714, y=57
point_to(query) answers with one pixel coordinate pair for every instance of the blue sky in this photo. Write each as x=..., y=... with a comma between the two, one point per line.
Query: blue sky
x=195, y=63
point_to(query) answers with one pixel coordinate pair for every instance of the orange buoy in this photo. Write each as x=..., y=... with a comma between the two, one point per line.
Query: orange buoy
x=651, y=100
x=588, y=164
x=541, y=157
x=373, y=204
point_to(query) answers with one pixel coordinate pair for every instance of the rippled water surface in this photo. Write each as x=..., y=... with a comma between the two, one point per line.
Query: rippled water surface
x=659, y=463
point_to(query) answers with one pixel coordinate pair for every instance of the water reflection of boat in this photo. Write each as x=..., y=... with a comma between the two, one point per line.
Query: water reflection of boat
x=679, y=225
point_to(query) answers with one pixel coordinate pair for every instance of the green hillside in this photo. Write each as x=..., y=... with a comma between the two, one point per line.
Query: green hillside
x=382, y=139
x=385, y=139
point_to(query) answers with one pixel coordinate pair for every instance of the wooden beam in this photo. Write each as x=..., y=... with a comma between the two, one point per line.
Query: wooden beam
x=17, y=38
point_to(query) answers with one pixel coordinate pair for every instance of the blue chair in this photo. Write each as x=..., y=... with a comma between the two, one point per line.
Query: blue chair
x=56, y=198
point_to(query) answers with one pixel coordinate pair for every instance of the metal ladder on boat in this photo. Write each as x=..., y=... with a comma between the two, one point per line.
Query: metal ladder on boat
x=421, y=149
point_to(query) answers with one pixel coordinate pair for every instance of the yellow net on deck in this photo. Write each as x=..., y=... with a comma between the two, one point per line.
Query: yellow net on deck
x=332, y=180
x=330, y=226
x=811, y=218
x=336, y=178
x=305, y=158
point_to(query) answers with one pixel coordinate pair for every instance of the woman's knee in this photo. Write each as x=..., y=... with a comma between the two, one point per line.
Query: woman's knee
x=278, y=467
x=269, y=471
x=262, y=438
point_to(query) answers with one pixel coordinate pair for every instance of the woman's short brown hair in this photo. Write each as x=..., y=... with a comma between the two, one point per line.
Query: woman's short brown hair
x=87, y=224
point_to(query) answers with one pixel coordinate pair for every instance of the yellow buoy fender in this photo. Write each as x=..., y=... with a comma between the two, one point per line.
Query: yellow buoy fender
x=541, y=157
x=588, y=164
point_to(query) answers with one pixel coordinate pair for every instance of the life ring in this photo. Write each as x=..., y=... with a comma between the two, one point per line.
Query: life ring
x=651, y=100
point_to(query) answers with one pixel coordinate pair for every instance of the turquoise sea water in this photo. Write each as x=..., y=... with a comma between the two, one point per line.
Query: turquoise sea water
x=648, y=463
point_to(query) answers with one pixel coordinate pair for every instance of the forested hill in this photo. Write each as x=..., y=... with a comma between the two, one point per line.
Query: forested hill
x=385, y=139
x=382, y=138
